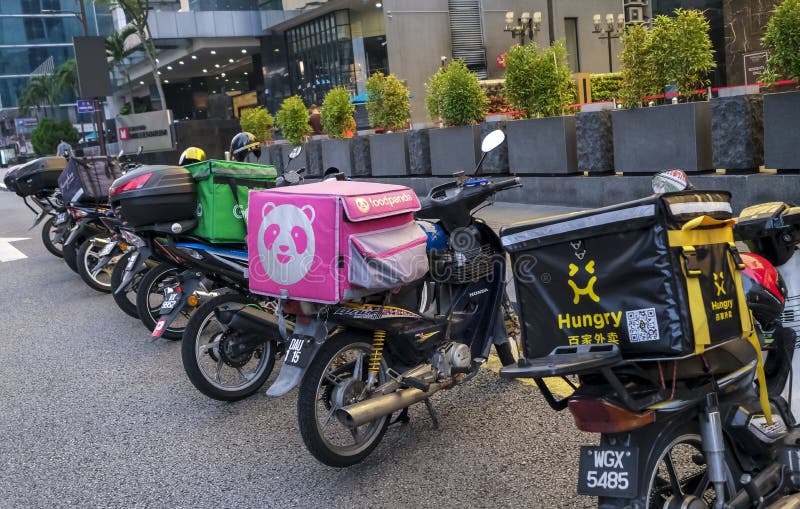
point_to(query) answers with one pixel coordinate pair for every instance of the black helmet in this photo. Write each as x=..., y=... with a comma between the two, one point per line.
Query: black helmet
x=244, y=143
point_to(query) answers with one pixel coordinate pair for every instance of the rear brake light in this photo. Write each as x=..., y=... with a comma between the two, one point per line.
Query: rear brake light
x=77, y=213
x=601, y=416
x=131, y=185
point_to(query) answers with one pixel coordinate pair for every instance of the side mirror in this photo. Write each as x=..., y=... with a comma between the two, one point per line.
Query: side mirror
x=295, y=152
x=139, y=152
x=670, y=182
x=493, y=140
x=121, y=152
x=291, y=177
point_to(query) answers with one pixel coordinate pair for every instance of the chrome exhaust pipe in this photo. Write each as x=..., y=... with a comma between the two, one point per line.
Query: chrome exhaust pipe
x=370, y=409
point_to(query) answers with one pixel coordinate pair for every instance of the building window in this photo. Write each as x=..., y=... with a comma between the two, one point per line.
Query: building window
x=573, y=50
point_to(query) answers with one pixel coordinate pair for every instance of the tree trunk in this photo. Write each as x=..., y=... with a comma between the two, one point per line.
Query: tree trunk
x=150, y=50
x=130, y=88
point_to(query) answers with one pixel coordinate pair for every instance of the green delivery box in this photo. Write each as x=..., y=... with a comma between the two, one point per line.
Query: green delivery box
x=222, y=190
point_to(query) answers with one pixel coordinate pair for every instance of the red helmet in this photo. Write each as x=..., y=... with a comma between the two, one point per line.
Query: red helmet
x=764, y=288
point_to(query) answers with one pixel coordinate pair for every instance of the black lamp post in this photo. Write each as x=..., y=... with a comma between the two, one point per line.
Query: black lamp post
x=608, y=31
x=524, y=26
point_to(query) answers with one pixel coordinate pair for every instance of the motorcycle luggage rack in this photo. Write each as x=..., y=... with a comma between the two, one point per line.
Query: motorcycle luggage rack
x=790, y=317
x=577, y=360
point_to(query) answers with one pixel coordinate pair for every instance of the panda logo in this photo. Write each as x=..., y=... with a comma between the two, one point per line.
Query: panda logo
x=286, y=244
x=362, y=205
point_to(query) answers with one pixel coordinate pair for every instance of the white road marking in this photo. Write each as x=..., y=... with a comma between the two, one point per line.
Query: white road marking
x=9, y=253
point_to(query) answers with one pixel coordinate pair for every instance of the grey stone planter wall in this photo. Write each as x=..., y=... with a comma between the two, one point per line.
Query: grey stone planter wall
x=651, y=140
x=282, y=155
x=313, y=158
x=362, y=164
x=389, y=154
x=496, y=161
x=595, y=142
x=419, y=152
x=737, y=132
x=337, y=154
x=781, y=139
x=542, y=146
x=454, y=149
x=273, y=154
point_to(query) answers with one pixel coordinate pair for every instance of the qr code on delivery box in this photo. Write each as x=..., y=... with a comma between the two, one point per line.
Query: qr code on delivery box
x=642, y=325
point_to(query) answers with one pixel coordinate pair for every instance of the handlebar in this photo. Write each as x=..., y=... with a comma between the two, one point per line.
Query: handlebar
x=507, y=184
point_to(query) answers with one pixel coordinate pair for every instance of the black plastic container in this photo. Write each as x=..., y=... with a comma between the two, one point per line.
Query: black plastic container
x=38, y=175
x=169, y=194
x=86, y=180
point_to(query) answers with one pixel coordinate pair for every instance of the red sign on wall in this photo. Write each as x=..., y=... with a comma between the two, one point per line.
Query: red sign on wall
x=124, y=134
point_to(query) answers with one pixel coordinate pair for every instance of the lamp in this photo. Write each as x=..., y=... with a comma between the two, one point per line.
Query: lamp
x=526, y=17
x=596, y=23
x=527, y=25
x=509, y=18
x=613, y=29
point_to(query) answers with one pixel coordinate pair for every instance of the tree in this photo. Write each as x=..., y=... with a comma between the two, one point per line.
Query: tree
x=680, y=51
x=538, y=80
x=118, y=51
x=337, y=113
x=257, y=121
x=455, y=95
x=41, y=91
x=46, y=136
x=67, y=77
x=136, y=12
x=638, y=78
x=388, y=102
x=782, y=40
x=292, y=120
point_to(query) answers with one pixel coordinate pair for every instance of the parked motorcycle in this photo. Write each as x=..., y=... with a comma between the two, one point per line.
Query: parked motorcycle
x=658, y=344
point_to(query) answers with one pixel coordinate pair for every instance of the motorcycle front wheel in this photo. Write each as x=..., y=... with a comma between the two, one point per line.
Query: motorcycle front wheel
x=336, y=378
x=212, y=359
x=49, y=233
x=149, y=297
x=88, y=257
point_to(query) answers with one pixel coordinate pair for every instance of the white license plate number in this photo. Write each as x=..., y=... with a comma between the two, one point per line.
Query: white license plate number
x=605, y=471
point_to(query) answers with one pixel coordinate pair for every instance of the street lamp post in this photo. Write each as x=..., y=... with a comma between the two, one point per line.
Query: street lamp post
x=525, y=25
x=609, y=31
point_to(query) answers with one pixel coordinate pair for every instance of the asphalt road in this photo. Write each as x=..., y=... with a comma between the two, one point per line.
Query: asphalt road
x=94, y=414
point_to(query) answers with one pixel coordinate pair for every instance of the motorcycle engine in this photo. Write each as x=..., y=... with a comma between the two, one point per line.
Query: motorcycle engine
x=451, y=359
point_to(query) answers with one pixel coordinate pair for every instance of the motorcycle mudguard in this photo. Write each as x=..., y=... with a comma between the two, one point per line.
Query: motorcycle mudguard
x=39, y=217
x=188, y=287
x=77, y=231
x=290, y=376
x=141, y=254
x=65, y=227
x=102, y=262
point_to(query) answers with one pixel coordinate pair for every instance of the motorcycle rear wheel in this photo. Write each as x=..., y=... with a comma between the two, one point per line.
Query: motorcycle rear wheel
x=49, y=232
x=330, y=378
x=87, y=260
x=223, y=378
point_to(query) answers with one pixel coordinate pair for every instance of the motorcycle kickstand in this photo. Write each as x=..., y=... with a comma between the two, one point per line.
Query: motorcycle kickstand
x=434, y=414
x=402, y=418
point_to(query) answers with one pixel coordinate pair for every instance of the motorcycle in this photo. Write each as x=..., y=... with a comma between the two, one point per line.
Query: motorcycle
x=694, y=430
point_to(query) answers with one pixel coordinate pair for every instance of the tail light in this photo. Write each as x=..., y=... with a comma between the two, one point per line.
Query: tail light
x=131, y=185
x=77, y=213
x=601, y=416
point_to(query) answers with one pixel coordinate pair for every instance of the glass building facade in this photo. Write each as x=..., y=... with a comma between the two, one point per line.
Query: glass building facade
x=28, y=37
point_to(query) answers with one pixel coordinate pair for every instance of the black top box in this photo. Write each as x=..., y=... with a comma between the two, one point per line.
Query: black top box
x=39, y=175
x=155, y=194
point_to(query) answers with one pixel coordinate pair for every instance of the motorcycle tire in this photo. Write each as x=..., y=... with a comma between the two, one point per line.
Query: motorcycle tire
x=309, y=398
x=193, y=354
x=150, y=284
x=70, y=252
x=87, y=259
x=658, y=447
x=48, y=233
x=126, y=300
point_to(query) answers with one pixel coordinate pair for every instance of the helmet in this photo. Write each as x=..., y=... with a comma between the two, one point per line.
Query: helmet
x=192, y=155
x=764, y=289
x=243, y=144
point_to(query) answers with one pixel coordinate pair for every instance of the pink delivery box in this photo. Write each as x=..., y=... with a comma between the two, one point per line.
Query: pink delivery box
x=334, y=241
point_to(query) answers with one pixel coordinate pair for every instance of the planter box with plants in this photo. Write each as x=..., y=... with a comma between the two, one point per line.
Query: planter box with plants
x=337, y=153
x=737, y=132
x=338, y=123
x=389, y=154
x=292, y=120
x=538, y=83
x=389, y=108
x=595, y=142
x=455, y=96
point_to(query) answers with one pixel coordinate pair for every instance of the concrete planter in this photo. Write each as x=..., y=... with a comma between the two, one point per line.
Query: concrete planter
x=281, y=155
x=496, y=161
x=338, y=154
x=595, y=142
x=273, y=154
x=419, y=152
x=312, y=152
x=454, y=149
x=389, y=154
x=651, y=140
x=737, y=133
x=781, y=147
x=362, y=163
x=544, y=146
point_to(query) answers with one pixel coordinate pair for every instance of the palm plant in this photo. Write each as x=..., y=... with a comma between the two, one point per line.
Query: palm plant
x=45, y=90
x=118, y=52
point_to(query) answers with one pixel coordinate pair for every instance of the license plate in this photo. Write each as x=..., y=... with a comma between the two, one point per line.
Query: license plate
x=605, y=471
x=298, y=352
x=107, y=249
x=159, y=328
x=131, y=262
x=171, y=300
x=61, y=218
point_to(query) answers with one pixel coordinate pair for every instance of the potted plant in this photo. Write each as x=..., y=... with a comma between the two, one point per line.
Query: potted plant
x=389, y=109
x=292, y=120
x=538, y=83
x=339, y=125
x=455, y=97
x=781, y=110
x=260, y=123
x=676, y=51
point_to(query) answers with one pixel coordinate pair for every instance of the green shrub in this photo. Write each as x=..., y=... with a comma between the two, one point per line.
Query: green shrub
x=538, y=80
x=782, y=40
x=680, y=51
x=638, y=79
x=337, y=113
x=49, y=133
x=292, y=120
x=455, y=96
x=388, y=102
x=257, y=121
x=606, y=87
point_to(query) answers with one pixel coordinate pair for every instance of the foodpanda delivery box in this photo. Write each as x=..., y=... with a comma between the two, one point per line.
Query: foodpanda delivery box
x=334, y=241
x=657, y=277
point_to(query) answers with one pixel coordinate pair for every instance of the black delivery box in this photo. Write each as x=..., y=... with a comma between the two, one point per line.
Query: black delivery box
x=657, y=277
x=155, y=194
x=38, y=175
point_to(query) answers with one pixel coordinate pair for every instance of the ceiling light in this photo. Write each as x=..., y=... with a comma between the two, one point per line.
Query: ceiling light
x=141, y=82
x=213, y=52
x=166, y=81
x=157, y=60
x=226, y=80
x=194, y=57
x=277, y=50
x=244, y=51
x=223, y=74
x=180, y=62
x=230, y=60
x=245, y=73
x=216, y=65
x=159, y=73
x=205, y=70
x=378, y=5
x=169, y=67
